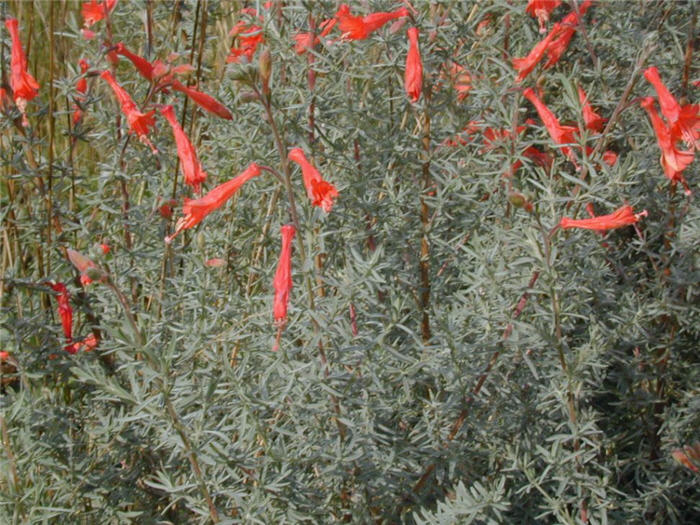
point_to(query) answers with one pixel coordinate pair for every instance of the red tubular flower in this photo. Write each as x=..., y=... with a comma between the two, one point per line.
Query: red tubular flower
x=594, y=122
x=684, y=121
x=196, y=209
x=360, y=27
x=94, y=11
x=144, y=66
x=81, y=88
x=24, y=86
x=413, y=76
x=619, y=218
x=565, y=32
x=525, y=65
x=560, y=134
x=541, y=9
x=189, y=164
x=283, y=275
x=65, y=311
x=319, y=191
x=87, y=344
x=249, y=35
x=673, y=160
x=203, y=100
x=139, y=123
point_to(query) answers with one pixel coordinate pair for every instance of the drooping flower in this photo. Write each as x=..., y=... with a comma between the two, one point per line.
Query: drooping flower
x=144, y=66
x=525, y=65
x=319, y=191
x=541, y=9
x=673, y=160
x=85, y=266
x=593, y=121
x=683, y=121
x=203, y=100
x=65, y=311
x=283, y=275
x=81, y=85
x=190, y=166
x=81, y=88
x=413, y=75
x=139, y=123
x=95, y=11
x=24, y=86
x=624, y=216
x=360, y=27
x=560, y=134
x=564, y=33
x=196, y=209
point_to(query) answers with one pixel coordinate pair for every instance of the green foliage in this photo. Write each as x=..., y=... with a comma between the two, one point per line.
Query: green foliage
x=541, y=376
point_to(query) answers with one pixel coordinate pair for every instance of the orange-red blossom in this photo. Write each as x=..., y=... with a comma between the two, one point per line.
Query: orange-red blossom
x=139, y=123
x=196, y=209
x=190, y=166
x=360, y=27
x=560, y=134
x=65, y=311
x=593, y=121
x=624, y=216
x=24, y=86
x=683, y=121
x=319, y=191
x=203, y=100
x=413, y=75
x=94, y=11
x=541, y=9
x=283, y=276
x=673, y=160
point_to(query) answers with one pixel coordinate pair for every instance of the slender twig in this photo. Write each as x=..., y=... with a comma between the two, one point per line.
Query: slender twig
x=621, y=106
x=688, y=60
x=459, y=422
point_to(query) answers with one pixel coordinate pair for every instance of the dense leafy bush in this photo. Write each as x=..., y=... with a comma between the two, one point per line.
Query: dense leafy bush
x=450, y=355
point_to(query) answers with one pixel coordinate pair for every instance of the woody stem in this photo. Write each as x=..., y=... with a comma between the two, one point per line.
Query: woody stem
x=282, y=150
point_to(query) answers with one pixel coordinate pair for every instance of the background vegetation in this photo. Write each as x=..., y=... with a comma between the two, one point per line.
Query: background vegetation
x=446, y=359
